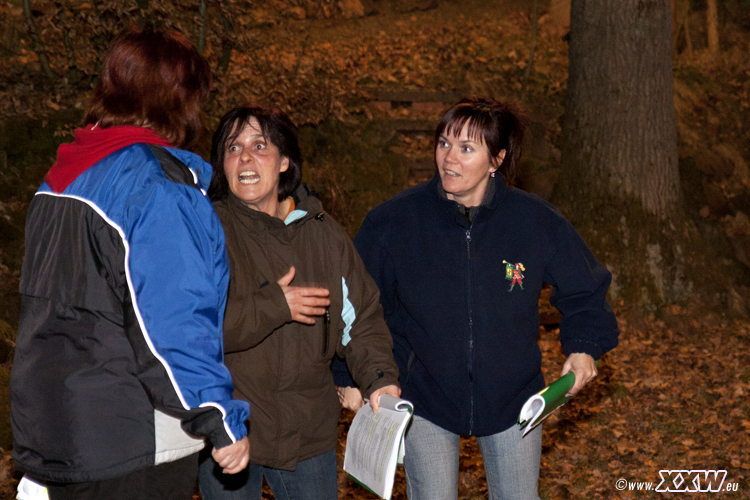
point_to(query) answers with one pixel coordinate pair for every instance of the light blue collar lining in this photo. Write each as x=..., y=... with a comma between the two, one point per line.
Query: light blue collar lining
x=294, y=215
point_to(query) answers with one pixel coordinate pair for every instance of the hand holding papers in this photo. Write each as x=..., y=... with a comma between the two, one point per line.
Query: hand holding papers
x=542, y=404
x=374, y=444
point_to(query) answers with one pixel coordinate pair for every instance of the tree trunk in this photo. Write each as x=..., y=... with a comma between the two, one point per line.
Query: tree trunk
x=43, y=61
x=619, y=182
x=226, y=45
x=201, y=26
x=712, y=27
x=530, y=65
x=620, y=128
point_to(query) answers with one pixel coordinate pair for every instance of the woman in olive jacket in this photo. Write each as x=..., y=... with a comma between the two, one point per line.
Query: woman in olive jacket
x=298, y=296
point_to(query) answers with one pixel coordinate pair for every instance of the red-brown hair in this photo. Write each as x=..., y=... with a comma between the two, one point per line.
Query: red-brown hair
x=154, y=79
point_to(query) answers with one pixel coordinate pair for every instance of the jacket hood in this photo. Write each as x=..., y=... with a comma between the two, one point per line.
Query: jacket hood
x=92, y=144
x=306, y=200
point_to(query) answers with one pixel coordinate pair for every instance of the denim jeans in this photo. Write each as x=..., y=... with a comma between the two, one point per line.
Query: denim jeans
x=313, y=479
x=511, y=463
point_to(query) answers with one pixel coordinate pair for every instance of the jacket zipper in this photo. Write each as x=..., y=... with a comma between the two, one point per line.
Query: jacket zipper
x=471, y=329
x=326, y=331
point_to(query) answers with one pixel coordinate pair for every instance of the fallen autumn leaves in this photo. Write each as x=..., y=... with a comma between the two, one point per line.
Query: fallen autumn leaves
x=672, y=395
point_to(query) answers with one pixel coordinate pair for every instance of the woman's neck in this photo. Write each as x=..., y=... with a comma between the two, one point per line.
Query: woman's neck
x=471, y=201
x=273, y=207
x=283, y=208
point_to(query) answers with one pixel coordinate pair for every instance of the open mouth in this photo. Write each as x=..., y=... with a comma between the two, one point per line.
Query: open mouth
x=451, y=173
x=249, y=177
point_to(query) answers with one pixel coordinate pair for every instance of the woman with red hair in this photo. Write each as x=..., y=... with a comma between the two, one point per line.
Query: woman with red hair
x=118, y=378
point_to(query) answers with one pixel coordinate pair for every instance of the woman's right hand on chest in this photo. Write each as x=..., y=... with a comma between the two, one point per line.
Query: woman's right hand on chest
x=305, y=303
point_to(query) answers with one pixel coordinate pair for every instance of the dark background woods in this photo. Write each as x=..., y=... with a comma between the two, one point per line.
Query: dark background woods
x=639, y=134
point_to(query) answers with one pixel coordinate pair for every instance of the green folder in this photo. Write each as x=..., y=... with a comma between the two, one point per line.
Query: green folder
x=543, y=403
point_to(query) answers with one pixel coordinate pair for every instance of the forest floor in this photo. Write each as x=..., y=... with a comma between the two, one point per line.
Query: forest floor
x=674, y=395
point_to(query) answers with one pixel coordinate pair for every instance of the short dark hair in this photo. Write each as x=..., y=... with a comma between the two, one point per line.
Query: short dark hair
x=277, y=129
x=499, y=125
x=155, y=79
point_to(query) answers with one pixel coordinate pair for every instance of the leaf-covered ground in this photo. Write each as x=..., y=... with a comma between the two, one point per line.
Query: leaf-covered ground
x=672, y=396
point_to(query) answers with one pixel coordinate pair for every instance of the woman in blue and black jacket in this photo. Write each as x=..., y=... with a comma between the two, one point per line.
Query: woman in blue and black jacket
x=118, y=379
x=460, y=261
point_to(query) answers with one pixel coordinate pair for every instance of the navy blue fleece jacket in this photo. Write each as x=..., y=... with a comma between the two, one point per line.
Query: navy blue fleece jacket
x=461, y=298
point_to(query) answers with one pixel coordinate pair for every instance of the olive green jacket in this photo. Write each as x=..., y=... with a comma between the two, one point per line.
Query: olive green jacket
x=283, y=367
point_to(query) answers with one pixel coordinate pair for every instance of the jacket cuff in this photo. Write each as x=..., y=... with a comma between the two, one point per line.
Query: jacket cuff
x=220, y=439
x=583, y=346
x=207, y=422
x=374, y=381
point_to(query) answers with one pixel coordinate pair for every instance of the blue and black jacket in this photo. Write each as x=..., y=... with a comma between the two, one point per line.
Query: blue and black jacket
x=461, y=300
x=119, y=359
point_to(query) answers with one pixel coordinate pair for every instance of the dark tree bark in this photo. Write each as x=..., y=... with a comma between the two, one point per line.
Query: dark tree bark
x=620, y=129
x=619, y=182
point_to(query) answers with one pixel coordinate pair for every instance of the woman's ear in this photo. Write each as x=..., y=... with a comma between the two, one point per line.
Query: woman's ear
x=500, y=157
x=284, y=164
x=497, y=161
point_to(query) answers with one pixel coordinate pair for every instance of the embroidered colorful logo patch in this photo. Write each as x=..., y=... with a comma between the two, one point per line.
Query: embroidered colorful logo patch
x=513, y=272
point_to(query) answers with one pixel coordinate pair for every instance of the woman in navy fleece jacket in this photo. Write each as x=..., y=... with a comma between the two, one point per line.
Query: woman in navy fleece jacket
x=460, y=261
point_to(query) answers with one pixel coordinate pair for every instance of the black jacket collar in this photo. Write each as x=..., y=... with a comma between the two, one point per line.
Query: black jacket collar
x=496, y=191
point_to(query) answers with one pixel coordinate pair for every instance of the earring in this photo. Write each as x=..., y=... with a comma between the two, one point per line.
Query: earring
x=492, y=174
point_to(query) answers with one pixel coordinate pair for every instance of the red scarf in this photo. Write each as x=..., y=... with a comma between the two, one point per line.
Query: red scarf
x=92, y=144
